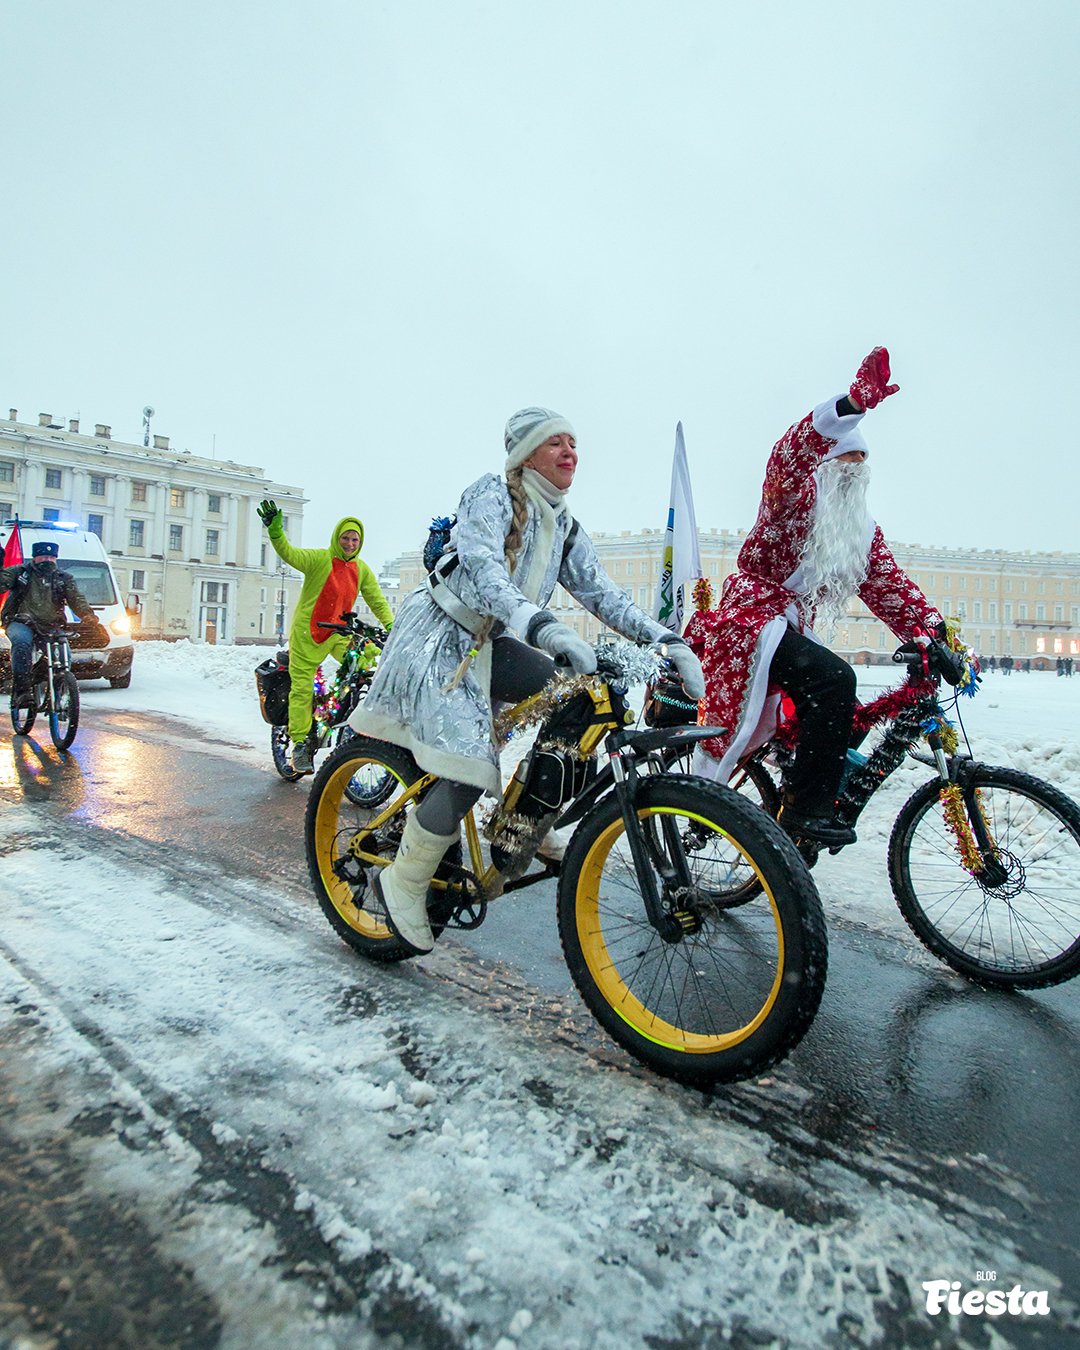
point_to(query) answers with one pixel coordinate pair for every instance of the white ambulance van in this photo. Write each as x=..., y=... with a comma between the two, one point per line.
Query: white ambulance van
x=83, y=555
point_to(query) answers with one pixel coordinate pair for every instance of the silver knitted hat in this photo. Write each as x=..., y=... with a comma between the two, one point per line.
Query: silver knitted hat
x=527, y=431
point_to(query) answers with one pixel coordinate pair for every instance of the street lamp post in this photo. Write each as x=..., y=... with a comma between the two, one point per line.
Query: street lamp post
x=281, y=604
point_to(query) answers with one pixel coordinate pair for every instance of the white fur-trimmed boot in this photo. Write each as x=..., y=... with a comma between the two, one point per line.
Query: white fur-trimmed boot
x=403, y=886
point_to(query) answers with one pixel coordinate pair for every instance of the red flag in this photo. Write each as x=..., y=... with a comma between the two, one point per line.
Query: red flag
x=13, y=554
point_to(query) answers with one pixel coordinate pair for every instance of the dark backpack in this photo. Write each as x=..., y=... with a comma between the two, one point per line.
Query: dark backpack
x=439, y=537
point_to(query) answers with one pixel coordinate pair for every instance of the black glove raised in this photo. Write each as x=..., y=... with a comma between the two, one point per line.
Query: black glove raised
x=268, y=509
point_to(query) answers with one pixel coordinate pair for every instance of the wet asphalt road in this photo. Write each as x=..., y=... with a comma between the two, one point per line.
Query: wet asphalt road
x=982, y=1085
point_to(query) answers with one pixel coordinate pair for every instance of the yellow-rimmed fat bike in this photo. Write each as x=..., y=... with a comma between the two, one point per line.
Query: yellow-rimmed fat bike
x=696, y=987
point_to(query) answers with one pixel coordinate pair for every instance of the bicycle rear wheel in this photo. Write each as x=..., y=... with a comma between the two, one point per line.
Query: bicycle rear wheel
x=334, y=820
x=1014, y=921
x=738, y=988
x=64, y=714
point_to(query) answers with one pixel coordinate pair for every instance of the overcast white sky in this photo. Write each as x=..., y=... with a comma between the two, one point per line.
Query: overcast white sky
x=344, y=241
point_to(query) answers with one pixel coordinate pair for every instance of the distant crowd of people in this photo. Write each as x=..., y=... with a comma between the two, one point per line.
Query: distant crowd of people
x=1007, y=664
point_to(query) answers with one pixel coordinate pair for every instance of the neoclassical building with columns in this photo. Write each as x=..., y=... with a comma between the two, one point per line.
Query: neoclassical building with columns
x=1010, y=603
x=182, y=532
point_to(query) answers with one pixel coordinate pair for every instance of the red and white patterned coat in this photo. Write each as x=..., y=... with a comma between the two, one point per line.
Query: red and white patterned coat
x=756, y=604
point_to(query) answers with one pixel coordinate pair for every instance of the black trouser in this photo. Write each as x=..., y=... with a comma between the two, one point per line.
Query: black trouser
x=822, y=687
x=517, y=670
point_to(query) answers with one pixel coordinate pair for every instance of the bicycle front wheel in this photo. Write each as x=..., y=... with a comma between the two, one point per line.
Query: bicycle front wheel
x=736, y=989
x=64, y=714
x=22, y=719
x=1014, y=920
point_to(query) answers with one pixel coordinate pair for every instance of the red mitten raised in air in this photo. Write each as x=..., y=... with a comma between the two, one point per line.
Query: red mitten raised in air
x=871, y=384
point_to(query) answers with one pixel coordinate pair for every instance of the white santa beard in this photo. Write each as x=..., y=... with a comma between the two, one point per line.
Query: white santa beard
x=835, y=557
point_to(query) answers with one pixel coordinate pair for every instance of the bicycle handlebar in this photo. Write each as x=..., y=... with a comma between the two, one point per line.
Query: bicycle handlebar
x=356, y=627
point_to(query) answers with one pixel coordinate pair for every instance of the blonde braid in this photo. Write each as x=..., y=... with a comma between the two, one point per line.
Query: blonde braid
x=512, y=545
x=516, y=532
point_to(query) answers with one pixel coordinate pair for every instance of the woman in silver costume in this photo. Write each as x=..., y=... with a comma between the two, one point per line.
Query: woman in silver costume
x=478, y=633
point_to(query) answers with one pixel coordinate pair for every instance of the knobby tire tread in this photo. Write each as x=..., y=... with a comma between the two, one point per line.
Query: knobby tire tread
x=797, y=900
x=1056, y=971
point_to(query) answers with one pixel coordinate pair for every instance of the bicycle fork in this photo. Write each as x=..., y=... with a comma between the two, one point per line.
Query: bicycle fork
x=965, y=819
x=671, y=924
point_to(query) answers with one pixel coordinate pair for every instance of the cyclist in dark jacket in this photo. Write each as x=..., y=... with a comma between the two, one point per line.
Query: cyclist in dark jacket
x=38, y=592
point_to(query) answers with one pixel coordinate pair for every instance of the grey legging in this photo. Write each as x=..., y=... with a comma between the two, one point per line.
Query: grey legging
x=517, y=670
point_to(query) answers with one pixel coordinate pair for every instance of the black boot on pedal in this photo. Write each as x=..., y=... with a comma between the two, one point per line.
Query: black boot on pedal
x=825, y=830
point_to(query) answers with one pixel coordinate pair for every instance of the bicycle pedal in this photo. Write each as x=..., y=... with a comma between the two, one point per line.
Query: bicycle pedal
x=687, y=920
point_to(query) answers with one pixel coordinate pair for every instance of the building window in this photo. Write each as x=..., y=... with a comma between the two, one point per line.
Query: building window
x=7, y=471
x=176, y=538
x=1059, y=613
x=177, y=498
x=976, y=611
x=215, y=592
x=97, y=485
x=262, y=555
x=53, y=478
x=6, y=509
x=1006, y=612
x=1040, y=612
x=138, y=492
x=213, y=503
x=136, y=533
x=212, y=543
x=50, y=513
x=138, y=579
x=991, y=611
x=96, y=525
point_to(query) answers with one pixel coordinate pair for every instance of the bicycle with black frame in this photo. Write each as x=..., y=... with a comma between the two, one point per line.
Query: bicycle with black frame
x=983, y=860
x=333, y=701
x=694, y=990
x=54, y=690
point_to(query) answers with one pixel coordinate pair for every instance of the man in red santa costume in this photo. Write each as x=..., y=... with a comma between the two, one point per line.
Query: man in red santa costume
x=813, y=546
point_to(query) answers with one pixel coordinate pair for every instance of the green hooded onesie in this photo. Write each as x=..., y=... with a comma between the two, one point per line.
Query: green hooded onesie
x=331, y=583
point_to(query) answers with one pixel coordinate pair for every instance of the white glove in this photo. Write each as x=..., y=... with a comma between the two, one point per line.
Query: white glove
x=564, y=645
x=687, y=666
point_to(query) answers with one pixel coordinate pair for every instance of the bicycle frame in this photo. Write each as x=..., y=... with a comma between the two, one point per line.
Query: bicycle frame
x=55, y=650
x=626, y=748
x=918, y=716
x=327, y=703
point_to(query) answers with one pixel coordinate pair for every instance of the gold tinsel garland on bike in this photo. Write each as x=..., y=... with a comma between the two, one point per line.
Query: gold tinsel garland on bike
x=514, y=721
x=952, y=802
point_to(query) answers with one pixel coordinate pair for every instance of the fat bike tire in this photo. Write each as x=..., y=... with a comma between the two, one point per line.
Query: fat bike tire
x=64, y=715
x=1015, y=924
x=740, y=987
x=279, y=749
x=333, y=819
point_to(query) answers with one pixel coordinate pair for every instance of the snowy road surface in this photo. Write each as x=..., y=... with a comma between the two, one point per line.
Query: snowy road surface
x=218, y=1127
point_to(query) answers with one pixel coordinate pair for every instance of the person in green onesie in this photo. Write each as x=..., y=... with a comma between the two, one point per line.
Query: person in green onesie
x=332, y=578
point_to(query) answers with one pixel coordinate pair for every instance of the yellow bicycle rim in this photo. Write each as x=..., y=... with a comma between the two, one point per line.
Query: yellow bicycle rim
x=605, y=969
x=330, y=844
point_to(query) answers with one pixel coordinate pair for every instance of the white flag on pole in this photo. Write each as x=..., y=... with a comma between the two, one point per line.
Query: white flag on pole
x=681, y=564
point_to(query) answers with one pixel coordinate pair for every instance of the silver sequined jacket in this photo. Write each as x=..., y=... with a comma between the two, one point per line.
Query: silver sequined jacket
x=449, y=732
